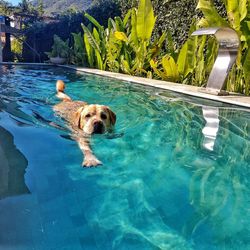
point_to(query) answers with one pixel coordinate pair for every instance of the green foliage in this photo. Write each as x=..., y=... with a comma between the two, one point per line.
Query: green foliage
x=194, y=65
x=16, y=49
x=5, y=8
x=238, y=18
x=128, y=45
x=168, y=69
x=145, y=20
x=60, y=48
x=27, y=7
x=124, y=46
x=172, y=16
x=94, y=42
x=79, y=53
x=40, y=7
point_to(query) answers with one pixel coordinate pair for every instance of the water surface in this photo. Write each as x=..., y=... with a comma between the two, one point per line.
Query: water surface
x=170, y=179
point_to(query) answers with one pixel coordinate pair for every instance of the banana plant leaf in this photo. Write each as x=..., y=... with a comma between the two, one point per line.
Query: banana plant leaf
x=91, y=38
x=145, y=20
x=210, y=13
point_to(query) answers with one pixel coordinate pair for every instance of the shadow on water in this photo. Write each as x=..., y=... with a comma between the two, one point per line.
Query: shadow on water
x=12, y=167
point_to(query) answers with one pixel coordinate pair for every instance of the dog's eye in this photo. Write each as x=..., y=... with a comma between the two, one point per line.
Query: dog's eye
x=87, y=116
x=103, y=116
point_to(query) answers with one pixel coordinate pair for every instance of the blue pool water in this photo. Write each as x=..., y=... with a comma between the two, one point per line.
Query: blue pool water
x=169, y=180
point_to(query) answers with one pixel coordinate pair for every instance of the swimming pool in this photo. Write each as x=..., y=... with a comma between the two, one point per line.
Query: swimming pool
x=175, y=175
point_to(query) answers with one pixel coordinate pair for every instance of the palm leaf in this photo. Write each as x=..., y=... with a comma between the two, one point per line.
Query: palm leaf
x=181, y=61
x=212, y=49
x=200, y=68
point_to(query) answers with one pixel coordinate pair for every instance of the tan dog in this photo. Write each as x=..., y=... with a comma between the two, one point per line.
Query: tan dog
x=84, y=120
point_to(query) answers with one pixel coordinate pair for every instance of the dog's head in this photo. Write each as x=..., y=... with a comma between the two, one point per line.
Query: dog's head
x=95, y=119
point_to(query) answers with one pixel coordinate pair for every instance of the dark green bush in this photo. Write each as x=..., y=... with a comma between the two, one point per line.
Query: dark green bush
x=40, y=35
x=175, y=16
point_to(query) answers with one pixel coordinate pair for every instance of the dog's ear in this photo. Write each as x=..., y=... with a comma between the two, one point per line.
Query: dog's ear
x=77, y=118
x=112, y=115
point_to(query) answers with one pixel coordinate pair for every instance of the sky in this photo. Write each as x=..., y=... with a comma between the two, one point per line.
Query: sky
x=14, y=2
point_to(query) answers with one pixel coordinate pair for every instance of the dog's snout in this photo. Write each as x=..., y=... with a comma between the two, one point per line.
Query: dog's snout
x=98, y=127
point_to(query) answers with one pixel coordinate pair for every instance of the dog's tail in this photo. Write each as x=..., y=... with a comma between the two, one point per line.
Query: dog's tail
x=60, y=87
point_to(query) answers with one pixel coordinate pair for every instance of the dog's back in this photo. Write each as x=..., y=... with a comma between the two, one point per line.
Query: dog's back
x=67, y=107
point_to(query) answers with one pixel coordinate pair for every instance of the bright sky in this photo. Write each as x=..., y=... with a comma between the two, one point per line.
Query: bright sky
x=14, y=2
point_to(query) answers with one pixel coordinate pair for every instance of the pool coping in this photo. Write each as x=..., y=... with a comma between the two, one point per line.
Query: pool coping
x=232, y=98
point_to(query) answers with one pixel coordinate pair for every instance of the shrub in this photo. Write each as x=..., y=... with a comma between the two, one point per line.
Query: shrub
x=60, y=48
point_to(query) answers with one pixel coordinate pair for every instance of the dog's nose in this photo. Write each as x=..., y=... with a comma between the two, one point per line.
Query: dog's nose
x=98, y=127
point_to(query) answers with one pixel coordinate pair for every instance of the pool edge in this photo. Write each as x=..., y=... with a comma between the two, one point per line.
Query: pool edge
x=195, y=91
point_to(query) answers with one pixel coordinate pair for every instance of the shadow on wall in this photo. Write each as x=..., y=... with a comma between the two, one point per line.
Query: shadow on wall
x=12, y=167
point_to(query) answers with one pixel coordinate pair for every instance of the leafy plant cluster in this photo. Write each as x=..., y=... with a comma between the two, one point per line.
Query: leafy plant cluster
x=127, y=45
x=175, y=16
x=16, y=49
x=25, y=6
x=124, y=46
x=40, y=34
x=238, y=18
x=60, y=48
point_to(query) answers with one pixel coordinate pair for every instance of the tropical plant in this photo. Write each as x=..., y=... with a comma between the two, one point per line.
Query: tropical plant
x=40, y=7
x=238, y=18
x=78, y=54
x=92, y=41
x=5, y=8
x=193, y=65
x=126, y=44
x=60, y=48
x=139, y=48
x=177, y=66
x=171, y=16
x=17, y=48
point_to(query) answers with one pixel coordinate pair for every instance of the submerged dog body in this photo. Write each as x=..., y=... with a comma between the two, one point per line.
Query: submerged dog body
x=84, y=120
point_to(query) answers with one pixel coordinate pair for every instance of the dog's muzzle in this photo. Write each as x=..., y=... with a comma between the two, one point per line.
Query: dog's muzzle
x=98, y=127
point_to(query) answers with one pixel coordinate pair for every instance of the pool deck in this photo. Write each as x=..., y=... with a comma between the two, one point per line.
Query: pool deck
x=232, y=98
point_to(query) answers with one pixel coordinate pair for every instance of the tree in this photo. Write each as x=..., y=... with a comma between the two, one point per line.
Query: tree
x=40, y=8
x=27, y=7
x=24, y=5
x=5, y=8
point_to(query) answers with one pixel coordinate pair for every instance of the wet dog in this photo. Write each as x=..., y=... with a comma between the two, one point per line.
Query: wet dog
x=84, y=120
